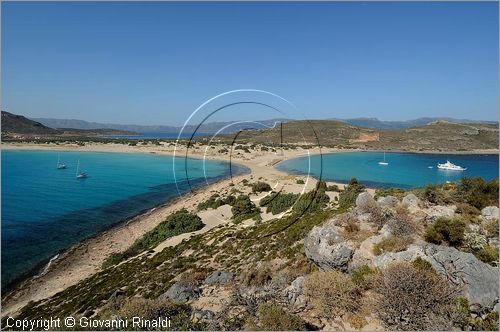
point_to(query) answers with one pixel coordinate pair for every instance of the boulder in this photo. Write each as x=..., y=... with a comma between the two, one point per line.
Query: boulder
x=294, y=294
x=181, y=292
x=364, y=201
x=219, y=277
x=490, y=212
x=479, y=281
x=327, y=249
x=389, y=201
x=440, y=211
x=411, y=201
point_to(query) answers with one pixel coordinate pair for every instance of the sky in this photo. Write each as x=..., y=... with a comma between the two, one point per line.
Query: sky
x=156, y=62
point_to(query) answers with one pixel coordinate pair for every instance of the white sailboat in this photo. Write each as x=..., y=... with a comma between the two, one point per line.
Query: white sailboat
x=60, y=165
x=80, y=175
x=383, y=163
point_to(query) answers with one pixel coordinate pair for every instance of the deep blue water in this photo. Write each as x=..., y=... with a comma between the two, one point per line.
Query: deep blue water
x=405, y=170
x=45, y=210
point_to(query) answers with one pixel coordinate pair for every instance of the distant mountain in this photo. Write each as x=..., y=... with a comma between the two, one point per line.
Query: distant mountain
x=18, y=124
x=379, y=124
x=207, y=128
x=14, y=125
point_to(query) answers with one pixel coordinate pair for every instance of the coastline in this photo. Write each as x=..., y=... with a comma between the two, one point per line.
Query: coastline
x=86, y=257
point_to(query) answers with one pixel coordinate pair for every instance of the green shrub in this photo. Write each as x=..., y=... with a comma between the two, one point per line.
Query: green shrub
x=491, y=228
x=363, y=277
x=347, y=197
x=489, y=323
x=243, y=209
x=312, y=201
x=443, y=230
x=260, y=186
x=274, y=318
x=420, y=263
x=333, y=187
x=177, y=223
x=478, y=192
x=475, y=241
x=300, y=181
x=278, y=202
x=488, y=254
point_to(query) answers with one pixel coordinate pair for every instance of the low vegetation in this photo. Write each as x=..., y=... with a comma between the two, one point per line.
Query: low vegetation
x=278, y=202
x=446, y=231
x=347, y=197
x=243, y=209
x=177, y=223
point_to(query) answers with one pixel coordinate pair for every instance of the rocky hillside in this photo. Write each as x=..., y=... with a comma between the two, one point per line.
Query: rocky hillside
x=19, y=127
x=334, y=258
x=18, y=124
x=436, y=136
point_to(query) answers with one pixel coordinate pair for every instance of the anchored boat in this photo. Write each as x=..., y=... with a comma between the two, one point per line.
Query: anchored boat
x=449, y=166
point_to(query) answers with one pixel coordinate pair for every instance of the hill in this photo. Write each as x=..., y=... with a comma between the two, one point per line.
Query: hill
x=380, y=124
x=436, y=136
x=17, y=126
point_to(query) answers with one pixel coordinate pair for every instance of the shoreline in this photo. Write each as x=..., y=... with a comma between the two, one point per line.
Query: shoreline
x=85, y=258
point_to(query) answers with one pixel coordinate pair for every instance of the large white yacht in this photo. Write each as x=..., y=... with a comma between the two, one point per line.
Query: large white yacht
x=450, y=166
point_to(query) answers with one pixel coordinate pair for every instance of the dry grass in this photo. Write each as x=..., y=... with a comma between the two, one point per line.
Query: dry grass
x=332, y=293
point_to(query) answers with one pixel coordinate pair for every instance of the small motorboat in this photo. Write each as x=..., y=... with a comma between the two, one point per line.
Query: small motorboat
x=449, y=166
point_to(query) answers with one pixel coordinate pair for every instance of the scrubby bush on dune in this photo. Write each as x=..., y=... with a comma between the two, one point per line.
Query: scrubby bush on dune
x=347, y=197
x=312, y=201
x=411, y=298
x=332, y=293
x=278, y=202
x=243, y=209
x=177, y=223
x=446, y=231
x=260, y=186
x=300, y=181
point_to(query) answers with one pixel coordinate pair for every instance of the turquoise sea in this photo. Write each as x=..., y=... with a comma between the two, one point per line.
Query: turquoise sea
x=45, y=210
x=405, y=170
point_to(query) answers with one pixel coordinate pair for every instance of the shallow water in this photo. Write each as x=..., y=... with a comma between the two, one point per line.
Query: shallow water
x=45, y=210
x=405, y=170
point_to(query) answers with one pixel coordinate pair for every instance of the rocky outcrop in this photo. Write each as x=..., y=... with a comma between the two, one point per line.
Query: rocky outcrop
x=389, y=201
x=327, y=249
x=219, y=277
x=479, y=281
x=294, y=294
x=364, y=201
x=490, y=212
x=411, y=201
x=180, y=292
x=440, y=211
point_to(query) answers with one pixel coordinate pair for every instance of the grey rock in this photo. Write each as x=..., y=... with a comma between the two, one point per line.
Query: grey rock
x=219, y=277
x=327, y=249
x=389, y=201
x=440, y=211
x=490, y=212
x=364, y=201
x=479, y=281
x=411, y=201
x=294, y=294
x=181, y=292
